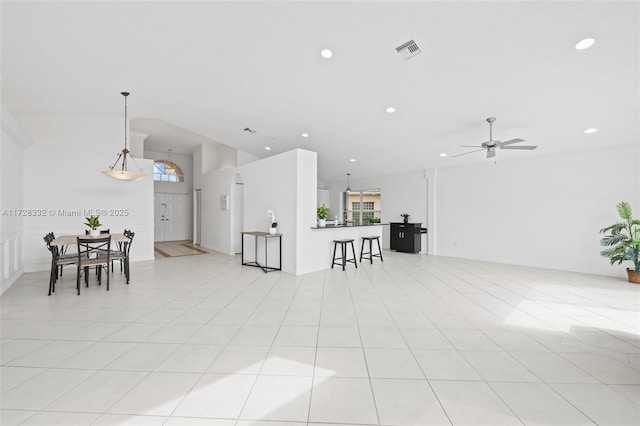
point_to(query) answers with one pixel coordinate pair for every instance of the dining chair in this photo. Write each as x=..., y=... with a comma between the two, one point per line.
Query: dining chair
x=122, y=254
x=102, y=232
x=62, y=252
x=58, y=261
x=93, y=252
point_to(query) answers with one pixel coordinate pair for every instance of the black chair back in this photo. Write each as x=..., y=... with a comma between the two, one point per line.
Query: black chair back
x=94, y=247
x=127, y=247
x=47, y=239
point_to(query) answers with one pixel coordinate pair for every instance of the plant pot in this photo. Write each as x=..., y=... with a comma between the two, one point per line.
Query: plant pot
x=322, y=223
x=634, y=277
x=405, y=220
x=273, y=231
x=94, y=232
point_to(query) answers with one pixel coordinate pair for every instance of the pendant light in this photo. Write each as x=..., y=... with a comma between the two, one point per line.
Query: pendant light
x=122, y=172
x=348, y=187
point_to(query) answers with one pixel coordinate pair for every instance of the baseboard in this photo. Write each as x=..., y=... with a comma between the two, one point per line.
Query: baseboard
x=6, y=284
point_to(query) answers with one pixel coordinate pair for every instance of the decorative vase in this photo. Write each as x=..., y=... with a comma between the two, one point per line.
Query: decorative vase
x=273, y=231
x=406, y=220
x=94, y=232
x=322, y=223
x=633, y=276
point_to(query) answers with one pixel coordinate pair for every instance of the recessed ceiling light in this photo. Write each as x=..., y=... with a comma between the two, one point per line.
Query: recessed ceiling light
x=326, y=53
x=585, y=44
x=305, y=135
x=353, y=160
x=268, y=148
x=391, y=110
x=443, y=154
x=590, y=130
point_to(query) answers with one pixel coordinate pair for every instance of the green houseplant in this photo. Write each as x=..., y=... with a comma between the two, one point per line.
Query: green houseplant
x=323, y=214
x=405, y=217
x=93, y=222
x=622, y=240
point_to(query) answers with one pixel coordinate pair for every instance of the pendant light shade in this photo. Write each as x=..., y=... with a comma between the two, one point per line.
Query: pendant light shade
x=122, y=172
x=348, y=186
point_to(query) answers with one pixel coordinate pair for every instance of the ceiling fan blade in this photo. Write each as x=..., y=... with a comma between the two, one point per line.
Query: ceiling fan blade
x=465, y=153
x=491, y=153
x=521, y=147
x=509, y=142
x=471, y=146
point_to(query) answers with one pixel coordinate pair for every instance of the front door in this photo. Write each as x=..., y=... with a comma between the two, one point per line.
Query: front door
x=171, y=217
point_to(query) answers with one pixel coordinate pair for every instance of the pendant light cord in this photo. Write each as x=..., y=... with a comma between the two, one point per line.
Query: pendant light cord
x=125, y=94
x=125, y=122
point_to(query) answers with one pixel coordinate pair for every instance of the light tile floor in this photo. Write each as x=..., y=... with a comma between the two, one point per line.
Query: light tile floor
x=416, y=340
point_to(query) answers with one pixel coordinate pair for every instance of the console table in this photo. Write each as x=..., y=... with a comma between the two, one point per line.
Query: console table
x=267, y=236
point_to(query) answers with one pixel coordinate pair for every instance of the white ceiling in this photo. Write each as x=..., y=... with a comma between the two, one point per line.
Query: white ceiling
x=163, y=136
x=215, y=68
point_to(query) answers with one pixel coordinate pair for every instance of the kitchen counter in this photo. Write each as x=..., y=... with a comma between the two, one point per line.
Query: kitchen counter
x=321, y=240
x=349, y=226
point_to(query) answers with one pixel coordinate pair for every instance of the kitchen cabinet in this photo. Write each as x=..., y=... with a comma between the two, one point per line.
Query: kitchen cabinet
x=405, y=237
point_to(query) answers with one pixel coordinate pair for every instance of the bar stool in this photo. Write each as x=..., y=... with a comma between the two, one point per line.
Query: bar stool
x=343, y=247
x=370, y=252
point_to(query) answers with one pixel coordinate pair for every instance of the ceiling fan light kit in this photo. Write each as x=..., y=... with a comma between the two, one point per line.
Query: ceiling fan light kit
x=491, y=145
x=122, y=172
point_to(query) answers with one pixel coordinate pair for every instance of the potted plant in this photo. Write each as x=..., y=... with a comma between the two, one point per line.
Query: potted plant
x=323, y=214
x=405, y=217
x=622, y=240
x=93, y=222
x=274, y=225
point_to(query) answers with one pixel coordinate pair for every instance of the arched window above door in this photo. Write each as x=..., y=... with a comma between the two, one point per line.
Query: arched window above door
x=167, y=171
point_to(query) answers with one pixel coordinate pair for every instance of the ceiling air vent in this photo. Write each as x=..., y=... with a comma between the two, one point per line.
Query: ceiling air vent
x=408, y=50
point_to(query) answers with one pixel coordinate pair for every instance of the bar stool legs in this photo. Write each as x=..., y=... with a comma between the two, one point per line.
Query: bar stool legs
x=343, y=258
x=370, y=252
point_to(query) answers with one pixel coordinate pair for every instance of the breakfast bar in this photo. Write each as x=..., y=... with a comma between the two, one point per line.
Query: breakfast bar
x=325, y=236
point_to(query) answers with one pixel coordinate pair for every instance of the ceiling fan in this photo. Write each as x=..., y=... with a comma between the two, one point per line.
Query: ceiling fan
x=491, y=145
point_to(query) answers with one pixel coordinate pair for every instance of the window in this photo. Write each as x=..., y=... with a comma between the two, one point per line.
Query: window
x=167, y=171
x=367, y=208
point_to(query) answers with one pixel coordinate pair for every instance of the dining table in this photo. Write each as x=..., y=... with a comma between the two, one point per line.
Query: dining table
x=62, y=241
x=67, y=240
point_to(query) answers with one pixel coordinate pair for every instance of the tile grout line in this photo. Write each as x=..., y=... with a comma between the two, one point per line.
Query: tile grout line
x=315, y=355
x=364, y=356
x=257, y=375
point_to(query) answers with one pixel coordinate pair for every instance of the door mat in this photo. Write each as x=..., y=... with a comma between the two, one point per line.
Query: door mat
x=177, y=249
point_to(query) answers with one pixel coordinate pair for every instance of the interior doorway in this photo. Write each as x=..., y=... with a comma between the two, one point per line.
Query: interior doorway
x=197, y=214
x=238, y=214
x=172, y=219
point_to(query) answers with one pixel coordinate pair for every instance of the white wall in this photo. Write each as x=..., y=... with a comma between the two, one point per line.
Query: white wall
x=324, y=198
x=285, y=183
x=543, y=211
x=244, y=158
x=207, y=158
x=12, y=143
x=62, y=171
x=227, y=157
